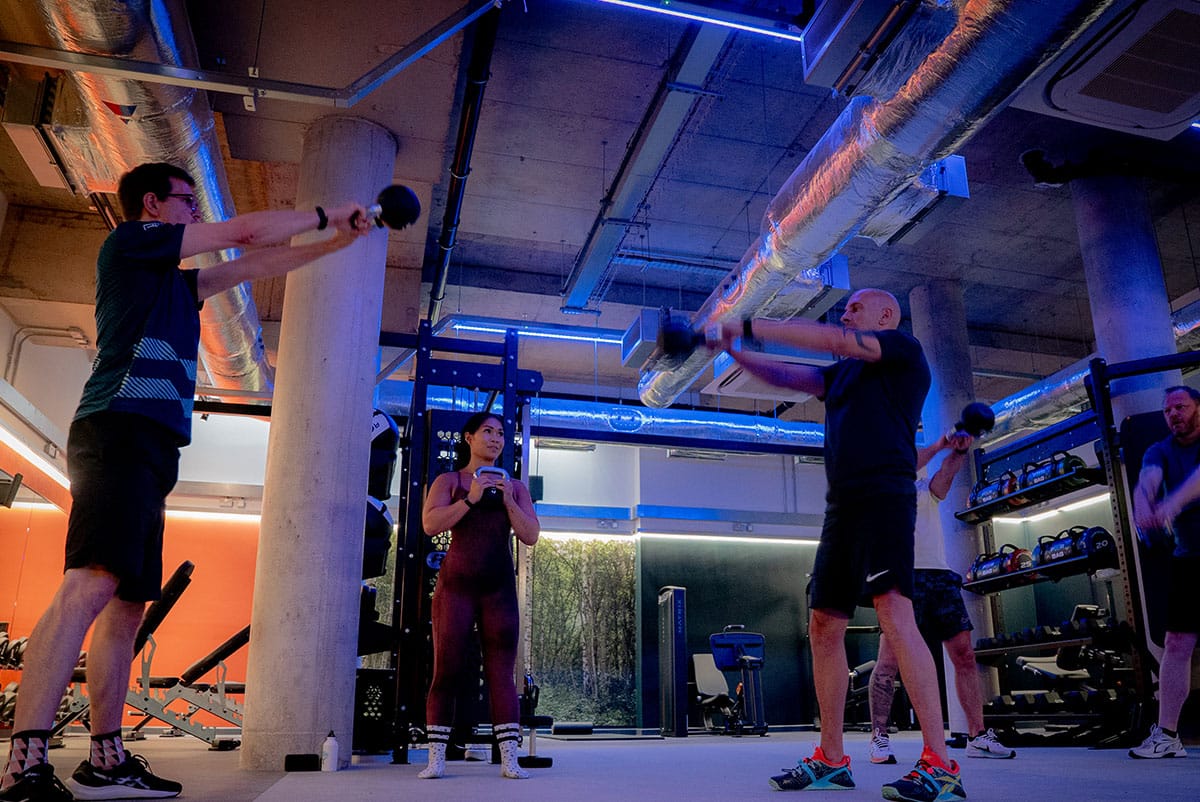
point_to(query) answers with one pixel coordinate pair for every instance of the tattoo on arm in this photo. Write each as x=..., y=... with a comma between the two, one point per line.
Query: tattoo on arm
x=858, y=338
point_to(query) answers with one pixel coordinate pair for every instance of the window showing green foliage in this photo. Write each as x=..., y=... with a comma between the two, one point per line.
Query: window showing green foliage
x=583, y=630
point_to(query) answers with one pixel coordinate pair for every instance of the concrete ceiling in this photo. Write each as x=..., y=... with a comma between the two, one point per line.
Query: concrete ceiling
x=571, y=82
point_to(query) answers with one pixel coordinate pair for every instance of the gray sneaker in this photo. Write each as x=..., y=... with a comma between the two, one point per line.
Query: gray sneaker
x=987, y=745
x=1159, y=744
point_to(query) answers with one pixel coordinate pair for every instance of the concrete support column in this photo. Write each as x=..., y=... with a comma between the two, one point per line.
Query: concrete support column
x=304, y=625
x=939, y=319
x=1131, y=313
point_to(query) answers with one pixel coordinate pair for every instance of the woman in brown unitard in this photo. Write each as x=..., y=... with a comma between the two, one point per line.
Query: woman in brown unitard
x=477, y=585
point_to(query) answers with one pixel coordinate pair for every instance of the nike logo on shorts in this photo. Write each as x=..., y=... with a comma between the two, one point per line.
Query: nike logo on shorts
x=873, y=577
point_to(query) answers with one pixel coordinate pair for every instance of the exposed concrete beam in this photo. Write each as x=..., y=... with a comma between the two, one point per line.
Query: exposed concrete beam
x=668, y=111
x=1030, y=343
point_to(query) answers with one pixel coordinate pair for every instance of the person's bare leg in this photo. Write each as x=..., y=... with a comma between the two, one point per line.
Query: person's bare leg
x=53, y=648
x=1174, y=677
x=917, y=668
x=831, y=676
x=109, y=657
x=883, y=686
x=50, y=658
x=966, y=680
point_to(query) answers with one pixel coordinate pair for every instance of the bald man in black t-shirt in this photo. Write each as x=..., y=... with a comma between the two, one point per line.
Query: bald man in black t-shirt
x=873, y=398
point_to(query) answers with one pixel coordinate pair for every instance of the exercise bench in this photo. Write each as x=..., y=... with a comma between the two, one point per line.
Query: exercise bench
x=155, y=695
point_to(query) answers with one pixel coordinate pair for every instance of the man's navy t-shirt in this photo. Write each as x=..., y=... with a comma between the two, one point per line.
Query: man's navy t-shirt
x=1178, y=462
x=872, y=410
x=148, y=328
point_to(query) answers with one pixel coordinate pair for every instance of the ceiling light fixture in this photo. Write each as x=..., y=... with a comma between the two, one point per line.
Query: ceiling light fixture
x=541, y=331
x=726, y=538
x=560, y=444
x=715, y=16
x=549, y=534
x=213, y=515
x=51, y=470
x=695, y=453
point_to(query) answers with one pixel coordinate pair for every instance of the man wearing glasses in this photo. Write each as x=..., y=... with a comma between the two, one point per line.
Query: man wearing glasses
x=123, y=457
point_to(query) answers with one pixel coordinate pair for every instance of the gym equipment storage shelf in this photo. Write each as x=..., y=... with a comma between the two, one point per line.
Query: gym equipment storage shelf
x=1028, y=576
x=1051, y=488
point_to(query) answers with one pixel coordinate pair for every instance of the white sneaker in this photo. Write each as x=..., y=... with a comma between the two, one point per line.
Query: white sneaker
x=881, y=748
x=1159, y=744
x=986, y=745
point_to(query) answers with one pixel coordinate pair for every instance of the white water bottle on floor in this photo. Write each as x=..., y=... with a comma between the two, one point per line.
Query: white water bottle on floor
x=329, y=753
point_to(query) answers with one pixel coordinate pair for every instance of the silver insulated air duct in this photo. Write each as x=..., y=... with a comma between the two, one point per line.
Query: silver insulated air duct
x=876, y=149
x=1186, y=323
x=1062, y=395
x=124, y=123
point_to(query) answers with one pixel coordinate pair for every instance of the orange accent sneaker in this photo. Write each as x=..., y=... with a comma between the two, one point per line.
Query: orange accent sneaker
x=929, y=781
x=819, y=754
x=815, y=773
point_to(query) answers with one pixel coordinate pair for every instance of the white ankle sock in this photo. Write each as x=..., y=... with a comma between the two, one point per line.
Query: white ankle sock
x=507, y=737
x=438, y=738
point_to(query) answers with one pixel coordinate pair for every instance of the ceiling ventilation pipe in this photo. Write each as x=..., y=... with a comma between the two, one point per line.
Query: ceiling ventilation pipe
x=124, y=123
x=589, y=420
x=1062, y=395
x=876, y=149
x=478, y=71
x=1054, y=399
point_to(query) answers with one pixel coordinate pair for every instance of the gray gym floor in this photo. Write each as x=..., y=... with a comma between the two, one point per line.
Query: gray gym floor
x=703, y=767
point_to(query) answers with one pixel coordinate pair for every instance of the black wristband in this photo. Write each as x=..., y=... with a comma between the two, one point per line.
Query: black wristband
x=962, y=451
x=322, y=219
x=467, y=501
x=747, y=329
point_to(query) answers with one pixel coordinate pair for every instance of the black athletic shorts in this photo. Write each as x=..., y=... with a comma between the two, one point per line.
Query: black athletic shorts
x=866, y=549
x=1183, y=614
x=121, y=466
x=938, y=604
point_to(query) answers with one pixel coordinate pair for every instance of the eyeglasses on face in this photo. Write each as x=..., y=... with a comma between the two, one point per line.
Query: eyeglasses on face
x=187, y=197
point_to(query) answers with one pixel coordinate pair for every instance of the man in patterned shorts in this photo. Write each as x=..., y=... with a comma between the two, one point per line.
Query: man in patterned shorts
x=941, y=615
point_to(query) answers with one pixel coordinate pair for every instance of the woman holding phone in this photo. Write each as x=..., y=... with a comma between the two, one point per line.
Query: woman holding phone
x=482, y=508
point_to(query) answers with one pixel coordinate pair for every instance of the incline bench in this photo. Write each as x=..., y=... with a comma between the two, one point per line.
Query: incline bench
x=154, y=695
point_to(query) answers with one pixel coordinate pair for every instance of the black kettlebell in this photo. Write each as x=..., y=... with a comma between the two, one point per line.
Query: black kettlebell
x=976, y=419
x=676, y=337
x=396, y=207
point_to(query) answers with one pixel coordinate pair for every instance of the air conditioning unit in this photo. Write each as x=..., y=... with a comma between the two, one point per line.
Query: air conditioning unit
x=845, y=38
x=731, y=379
x=28, y=106
x=1136, y=70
